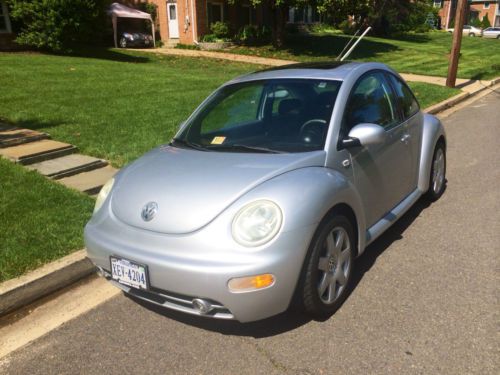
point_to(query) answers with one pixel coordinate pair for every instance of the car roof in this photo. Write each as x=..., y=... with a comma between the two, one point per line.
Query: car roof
x=331, y=70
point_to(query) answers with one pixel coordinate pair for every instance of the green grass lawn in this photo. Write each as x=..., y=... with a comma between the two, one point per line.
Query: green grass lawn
x=415, y=53
x=40, y=220
x=118, y=105
x=428, y=94
x=114, y=105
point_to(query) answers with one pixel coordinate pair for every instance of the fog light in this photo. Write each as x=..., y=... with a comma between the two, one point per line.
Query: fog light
x=203, y=307
x=249, y=283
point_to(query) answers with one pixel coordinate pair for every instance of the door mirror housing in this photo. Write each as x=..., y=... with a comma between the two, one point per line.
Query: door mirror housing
x=364, y=135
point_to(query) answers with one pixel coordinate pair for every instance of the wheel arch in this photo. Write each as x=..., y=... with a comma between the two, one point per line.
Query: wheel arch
x=433, y=132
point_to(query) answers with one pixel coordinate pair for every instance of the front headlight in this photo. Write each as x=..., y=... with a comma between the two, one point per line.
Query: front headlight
x=257, y=223
x=103, y=194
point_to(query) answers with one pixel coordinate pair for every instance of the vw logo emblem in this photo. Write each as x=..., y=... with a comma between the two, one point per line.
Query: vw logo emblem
x=149, y=211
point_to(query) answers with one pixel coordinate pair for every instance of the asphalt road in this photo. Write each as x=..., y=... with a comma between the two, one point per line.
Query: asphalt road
x=426, y=299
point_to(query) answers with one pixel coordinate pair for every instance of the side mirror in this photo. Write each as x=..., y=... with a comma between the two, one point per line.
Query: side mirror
x=364, y=135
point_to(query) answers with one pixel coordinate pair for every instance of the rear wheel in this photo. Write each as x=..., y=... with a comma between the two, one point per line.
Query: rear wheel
x=472, y=35
x=437, y=181
x=327, y=273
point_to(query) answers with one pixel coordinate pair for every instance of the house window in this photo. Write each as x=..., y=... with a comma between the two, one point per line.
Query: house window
x=215, y=12
x=486, y=5
x=4, y=19
x=248, y=15
x=438, y=3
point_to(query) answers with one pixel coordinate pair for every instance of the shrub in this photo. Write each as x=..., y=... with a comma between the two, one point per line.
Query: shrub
x=475, y=22
x=209, y=38
x=347, y=27
x=251, y=35
x=58, y=25
x=220, y=29
x=485, y=22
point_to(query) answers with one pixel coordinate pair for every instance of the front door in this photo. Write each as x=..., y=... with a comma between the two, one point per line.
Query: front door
x=173, y=23
x=383, y=173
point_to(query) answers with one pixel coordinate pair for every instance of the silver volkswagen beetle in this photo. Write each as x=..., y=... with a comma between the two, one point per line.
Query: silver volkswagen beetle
x=268, y=192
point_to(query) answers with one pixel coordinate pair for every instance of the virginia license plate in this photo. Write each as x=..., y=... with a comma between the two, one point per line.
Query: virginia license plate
x=129, y=273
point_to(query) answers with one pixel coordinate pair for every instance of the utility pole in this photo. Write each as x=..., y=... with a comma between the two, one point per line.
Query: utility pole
x=457, y=42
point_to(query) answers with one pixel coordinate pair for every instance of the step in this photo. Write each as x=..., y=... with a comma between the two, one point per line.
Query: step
x=68, y=165
x=16, y=136
x=35, y=152
x=89, y=182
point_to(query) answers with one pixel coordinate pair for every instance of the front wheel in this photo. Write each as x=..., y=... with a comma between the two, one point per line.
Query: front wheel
x=327, y=273
x=437, y=181
x=123, y=42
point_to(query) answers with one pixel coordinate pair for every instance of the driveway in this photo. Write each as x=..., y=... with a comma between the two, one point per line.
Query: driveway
x=425, y=301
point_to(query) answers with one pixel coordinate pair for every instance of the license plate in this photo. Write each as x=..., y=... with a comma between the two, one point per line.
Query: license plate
x=129, y=273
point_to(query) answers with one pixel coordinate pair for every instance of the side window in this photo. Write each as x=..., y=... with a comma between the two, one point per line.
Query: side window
x=371, y=101
x=404, y=97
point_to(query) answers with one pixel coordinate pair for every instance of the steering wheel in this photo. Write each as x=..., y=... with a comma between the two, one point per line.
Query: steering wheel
x=312, y=130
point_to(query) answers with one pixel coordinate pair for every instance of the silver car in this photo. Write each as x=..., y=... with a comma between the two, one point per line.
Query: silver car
x=492, y=32
x=268, y=192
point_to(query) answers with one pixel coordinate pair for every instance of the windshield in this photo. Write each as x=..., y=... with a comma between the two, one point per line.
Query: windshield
x=281, y=115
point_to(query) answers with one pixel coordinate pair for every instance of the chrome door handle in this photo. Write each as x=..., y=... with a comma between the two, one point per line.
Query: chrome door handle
x=405, y=138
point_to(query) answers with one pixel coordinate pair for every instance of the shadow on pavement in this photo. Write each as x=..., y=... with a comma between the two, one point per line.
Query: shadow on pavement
x=293, y=318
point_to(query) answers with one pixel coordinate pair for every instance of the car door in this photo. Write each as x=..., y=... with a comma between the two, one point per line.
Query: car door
x=382, y=172
x=413, y=122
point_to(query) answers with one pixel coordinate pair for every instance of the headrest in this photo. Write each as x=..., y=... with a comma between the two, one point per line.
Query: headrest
x=326, y=99
x=289, y=106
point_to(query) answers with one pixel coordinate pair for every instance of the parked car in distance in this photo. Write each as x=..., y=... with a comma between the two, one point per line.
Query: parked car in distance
x=268, y=192
x=468, y=30
x=491, y=32
x=136, y=39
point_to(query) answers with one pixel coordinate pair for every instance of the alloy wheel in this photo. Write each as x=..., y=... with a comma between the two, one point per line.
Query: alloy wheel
x=334, y=265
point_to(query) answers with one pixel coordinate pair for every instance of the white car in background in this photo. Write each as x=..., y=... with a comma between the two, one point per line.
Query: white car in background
x=492, y=32
x=468, y=30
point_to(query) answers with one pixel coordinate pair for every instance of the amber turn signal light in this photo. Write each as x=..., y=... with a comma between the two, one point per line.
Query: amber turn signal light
x=249, y=283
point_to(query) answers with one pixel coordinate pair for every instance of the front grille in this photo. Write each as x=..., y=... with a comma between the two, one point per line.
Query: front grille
x=173, y=301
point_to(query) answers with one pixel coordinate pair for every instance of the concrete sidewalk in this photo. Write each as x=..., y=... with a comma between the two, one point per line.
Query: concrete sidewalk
x=466, y=85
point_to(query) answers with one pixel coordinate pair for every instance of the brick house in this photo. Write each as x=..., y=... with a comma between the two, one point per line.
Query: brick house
x=477, y=9
x=186, y=21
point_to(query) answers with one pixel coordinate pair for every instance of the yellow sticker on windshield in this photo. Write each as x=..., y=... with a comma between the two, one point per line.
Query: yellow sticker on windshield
x=218, y=140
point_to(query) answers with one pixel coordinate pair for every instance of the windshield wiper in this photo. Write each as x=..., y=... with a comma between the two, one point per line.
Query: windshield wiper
x=183, y=142
x=239, y=147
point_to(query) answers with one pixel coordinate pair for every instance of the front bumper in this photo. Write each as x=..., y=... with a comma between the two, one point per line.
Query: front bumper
x=199, y=265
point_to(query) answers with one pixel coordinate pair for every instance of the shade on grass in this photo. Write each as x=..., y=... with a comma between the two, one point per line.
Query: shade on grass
x=118, y=105
x=40, y=220
x=413, y=53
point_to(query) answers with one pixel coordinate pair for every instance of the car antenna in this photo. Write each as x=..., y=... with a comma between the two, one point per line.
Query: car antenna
x=342, y=58
x=348, y=44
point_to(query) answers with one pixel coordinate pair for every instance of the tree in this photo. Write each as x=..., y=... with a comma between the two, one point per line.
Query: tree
x=57, y=25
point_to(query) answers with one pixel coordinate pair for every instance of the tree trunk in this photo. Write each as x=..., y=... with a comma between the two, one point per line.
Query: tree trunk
x=278, y=21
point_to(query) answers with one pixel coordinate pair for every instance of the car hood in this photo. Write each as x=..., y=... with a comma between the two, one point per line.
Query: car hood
x=192, y=187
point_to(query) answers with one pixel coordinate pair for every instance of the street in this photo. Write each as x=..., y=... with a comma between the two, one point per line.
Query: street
x=426, y=298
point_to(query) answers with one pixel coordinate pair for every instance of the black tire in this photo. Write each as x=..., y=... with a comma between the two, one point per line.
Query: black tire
x=123, y=42
x=498, y=36
x=472, y=35
x=435, y=192
x=312, y=276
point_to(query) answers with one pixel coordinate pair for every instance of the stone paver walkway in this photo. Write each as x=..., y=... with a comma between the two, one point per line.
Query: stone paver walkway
x=53, y=159
x=466, y=85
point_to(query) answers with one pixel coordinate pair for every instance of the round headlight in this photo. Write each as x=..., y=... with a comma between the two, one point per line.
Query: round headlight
x=103, y=194
x=257, y=223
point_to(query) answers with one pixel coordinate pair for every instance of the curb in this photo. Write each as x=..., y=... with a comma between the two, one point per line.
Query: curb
x=451, y=102
x=43, y=281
